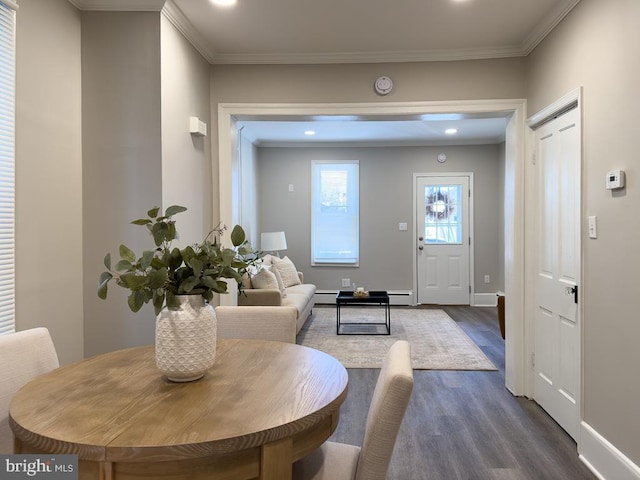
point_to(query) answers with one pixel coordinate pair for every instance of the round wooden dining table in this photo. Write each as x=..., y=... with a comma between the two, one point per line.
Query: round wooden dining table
x=261, y=407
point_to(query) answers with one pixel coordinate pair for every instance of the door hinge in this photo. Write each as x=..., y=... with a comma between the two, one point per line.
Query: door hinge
x=533, y=158
x=533, y=360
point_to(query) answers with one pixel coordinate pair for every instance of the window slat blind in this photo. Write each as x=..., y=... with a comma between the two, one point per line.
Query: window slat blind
x=7, y=165
x=335, y=212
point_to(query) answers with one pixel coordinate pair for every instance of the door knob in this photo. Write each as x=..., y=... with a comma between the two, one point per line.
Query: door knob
x=420, y=238
x=421, y=247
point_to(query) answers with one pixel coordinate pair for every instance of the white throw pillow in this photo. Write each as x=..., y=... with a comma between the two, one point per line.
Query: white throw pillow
x=275, y=271
x=264, y=279
x=287, y=270
x=246, y=281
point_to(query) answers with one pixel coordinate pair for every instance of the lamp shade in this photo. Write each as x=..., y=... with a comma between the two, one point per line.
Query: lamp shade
x=273, y=241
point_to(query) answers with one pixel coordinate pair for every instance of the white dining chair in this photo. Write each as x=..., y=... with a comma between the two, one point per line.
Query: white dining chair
x=338, y=461
x=24, y=355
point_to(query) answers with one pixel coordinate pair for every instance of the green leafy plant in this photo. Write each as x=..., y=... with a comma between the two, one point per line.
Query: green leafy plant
x=164, y=272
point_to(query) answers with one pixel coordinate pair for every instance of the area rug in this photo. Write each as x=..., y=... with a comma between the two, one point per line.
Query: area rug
x=437, y=342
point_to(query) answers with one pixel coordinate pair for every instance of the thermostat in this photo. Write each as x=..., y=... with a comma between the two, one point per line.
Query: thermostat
x=615, y=179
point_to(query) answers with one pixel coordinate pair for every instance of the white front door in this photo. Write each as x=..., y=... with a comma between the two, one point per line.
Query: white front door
x=557, y=322
x=442, y=227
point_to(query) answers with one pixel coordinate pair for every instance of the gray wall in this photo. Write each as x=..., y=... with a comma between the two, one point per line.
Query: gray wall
x=249, y=190
x=386, y=198
x=596, y=47
x=186, y=158
x=49, y=173
x=447, y=81
x=475, y=79
x=593, y=47
x=141, y=83
x=464, y=80
x=102, y=105
x=122, y=162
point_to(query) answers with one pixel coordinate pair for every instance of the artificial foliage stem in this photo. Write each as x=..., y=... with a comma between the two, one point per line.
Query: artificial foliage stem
x=159, y=275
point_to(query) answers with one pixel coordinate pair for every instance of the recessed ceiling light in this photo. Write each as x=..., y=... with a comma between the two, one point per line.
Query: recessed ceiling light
x=451, y=131
x=224, y=3
x=309, y=132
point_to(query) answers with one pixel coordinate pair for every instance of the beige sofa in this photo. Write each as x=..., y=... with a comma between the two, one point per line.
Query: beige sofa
x=263, y=323
x=267, y=308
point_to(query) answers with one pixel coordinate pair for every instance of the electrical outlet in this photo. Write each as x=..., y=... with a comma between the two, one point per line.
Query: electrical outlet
x=487, y=279
x=346, y=282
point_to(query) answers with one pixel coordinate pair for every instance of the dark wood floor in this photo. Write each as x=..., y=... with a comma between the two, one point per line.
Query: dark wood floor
x=467, y=425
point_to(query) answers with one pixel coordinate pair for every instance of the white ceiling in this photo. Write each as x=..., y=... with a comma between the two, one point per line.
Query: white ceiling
x=429, y=130
x=355, y=31
x=359, y=31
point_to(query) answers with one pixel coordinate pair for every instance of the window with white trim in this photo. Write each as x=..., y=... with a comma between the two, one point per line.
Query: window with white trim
x=7, y=163
x=335, y=213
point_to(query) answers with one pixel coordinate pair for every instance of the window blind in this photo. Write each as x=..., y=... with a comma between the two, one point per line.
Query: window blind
x=335, y=213
x=7, y=165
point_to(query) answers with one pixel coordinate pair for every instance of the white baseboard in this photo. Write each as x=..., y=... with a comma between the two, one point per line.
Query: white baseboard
x=485, y=300
x=396, y=297
x=405, y=297
x=325, y=297
x=603, y=459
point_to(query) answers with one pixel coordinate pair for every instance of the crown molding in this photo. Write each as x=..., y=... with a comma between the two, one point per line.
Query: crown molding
x=369, y=57
x=186, y=28
x=547, y=25
x=379, y=143
x=119, y=5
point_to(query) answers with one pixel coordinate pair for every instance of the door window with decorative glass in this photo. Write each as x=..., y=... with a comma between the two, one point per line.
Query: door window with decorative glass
x=443, y=215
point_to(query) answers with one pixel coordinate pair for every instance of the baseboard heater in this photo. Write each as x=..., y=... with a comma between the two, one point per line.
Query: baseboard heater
x=396, y=297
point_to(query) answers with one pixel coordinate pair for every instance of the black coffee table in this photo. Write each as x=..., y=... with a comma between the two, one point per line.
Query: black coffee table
x=346, y=297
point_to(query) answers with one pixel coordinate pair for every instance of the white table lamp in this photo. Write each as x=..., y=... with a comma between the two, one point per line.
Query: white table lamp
x=273, y=242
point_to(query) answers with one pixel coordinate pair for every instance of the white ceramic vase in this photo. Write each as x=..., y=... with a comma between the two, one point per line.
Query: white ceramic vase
x=186, y=339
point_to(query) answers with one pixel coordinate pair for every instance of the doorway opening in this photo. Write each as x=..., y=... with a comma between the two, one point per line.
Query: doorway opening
x=515, y=148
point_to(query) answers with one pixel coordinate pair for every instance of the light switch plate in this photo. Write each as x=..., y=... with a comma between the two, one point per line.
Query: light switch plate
x=593, y=227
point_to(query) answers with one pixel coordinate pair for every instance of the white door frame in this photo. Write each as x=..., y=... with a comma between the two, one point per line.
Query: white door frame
x=517, y=145
x=472, y=243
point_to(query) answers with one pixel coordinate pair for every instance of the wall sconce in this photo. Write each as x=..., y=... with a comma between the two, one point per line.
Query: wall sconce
x=273, y=242
x=197, y=126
